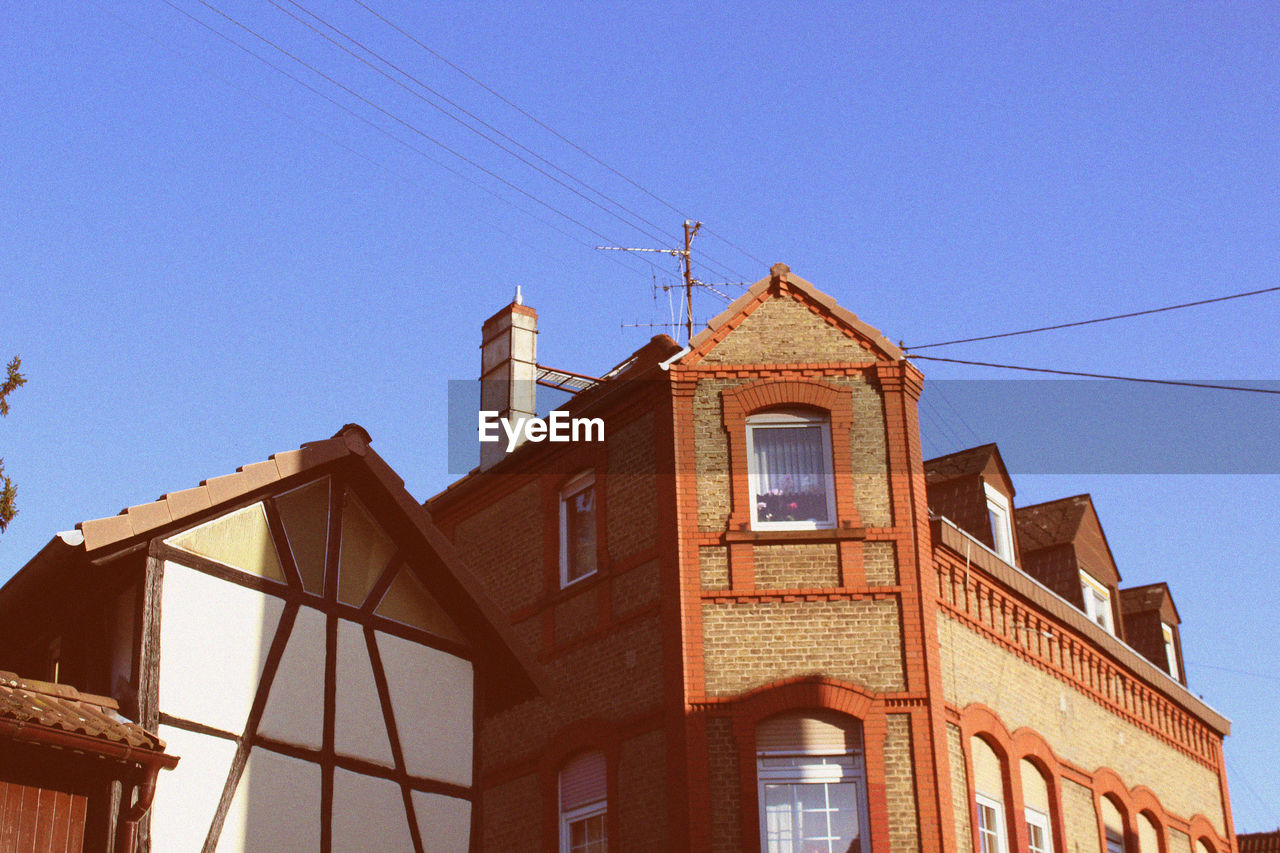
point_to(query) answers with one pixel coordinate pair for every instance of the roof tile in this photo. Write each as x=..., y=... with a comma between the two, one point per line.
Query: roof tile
x=60, y=706
x=144, y=517
x=103, y=531
x=259, y=474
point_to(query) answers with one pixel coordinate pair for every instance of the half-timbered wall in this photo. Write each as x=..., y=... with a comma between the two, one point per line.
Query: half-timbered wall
x=320, y=698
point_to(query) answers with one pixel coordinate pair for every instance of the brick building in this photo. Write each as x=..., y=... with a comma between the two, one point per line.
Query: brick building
x=766, y=623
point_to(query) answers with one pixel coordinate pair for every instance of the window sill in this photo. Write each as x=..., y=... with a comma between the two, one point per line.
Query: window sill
x=830, y=534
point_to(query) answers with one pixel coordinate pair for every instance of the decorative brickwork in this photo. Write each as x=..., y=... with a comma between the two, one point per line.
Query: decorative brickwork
x=724, y=774
x=900, y=785
x=751, y=644
x=880, y=563
x=712, y=455
x=1080, y=728
x=796, y=566
x=959, y=789
x=713, y=566
x=784, y=331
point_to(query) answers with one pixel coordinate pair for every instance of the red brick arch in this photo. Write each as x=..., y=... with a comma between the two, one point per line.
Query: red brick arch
x=811, y=693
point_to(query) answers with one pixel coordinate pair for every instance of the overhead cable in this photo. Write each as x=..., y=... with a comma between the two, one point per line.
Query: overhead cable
x=1098, y=320
x=1099, y=375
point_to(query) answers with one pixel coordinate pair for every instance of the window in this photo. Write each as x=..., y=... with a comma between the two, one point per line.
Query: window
x=1038, y=832
x=583, y=805
x=578, y=529
x=789, y=464
x=812, y=784
x=1115, y=842
x=1001, y=525
x=1170, y=648
x=990, y=825
x=1097, y=601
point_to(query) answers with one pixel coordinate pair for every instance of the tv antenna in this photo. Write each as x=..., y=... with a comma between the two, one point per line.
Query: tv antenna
x=685, y=256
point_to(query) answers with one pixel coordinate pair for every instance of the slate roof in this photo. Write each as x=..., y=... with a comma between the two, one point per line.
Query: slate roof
x=36, y=707
x=1141, y=599
x=1051, y=523
x=959, y=464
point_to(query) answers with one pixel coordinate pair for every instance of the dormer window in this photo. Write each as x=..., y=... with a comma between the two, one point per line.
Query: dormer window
x=789, y=462
x=1097, y=601
x=1170, y=649
x=578, y=528
x=1001, y=524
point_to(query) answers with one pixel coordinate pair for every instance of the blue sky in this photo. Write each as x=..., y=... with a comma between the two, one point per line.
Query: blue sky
x=203, y=262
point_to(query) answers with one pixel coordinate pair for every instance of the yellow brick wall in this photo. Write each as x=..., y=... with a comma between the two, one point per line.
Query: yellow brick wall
x=754, y=643
x=631, y=491
x=1079, y=819
x=900, y=786
x=723, y=773
x=713, y=565
x=1085, y=734
x=879, y=563
x=1179, y=842
x=797, y=566
x=783, y=331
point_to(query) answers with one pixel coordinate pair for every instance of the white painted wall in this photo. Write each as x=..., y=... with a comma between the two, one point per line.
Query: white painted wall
x=276, y=808
x=368, y=815
x=187, y=796
x=432, y=696
x=214, y=638
x=294, y=712
x=443, y=822
x=359, y=730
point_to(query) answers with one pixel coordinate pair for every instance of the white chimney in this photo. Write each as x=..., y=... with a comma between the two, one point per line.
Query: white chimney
x=508, y=370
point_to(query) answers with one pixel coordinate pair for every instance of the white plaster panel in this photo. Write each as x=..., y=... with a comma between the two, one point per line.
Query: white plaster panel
x=214, y=638
x=276, y=807
x=443, y=822
x=368, y=815
x=431, y=694
x=359, y=726
x=187, y=796
x=295, y=706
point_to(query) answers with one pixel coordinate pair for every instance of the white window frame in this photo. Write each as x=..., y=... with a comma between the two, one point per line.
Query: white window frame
x=1001, y=523
x=582, y=813
x=1040, y=821
x=997, y=830
x=783, y=419
x=1170, y=649
x=828, y=768
x=1097, y=601
x=576, y=486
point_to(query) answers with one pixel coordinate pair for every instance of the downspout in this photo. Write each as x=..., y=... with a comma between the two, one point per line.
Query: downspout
x=131, y=813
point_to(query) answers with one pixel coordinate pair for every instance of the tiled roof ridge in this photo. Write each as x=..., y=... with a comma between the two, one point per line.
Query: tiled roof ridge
x=60, y=691
x=173, y=506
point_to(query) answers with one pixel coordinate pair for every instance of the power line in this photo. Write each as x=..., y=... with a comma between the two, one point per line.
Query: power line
x=358, y=117
x=406, y=124
x=553, y=131
x=1099, y=375
x=1098, y=320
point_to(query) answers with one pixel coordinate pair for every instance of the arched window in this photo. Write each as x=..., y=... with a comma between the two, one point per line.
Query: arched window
x=584, y=805
x=789, y=467
x=1148, y=834
x=988, y=788
x=812, y=784
x=1112, y=826
x=1035, y=800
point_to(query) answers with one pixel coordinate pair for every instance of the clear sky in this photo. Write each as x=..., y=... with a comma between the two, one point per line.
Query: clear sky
x=202, y=262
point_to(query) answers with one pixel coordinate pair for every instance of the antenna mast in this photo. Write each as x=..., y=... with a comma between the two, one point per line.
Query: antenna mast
x=690, y=231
